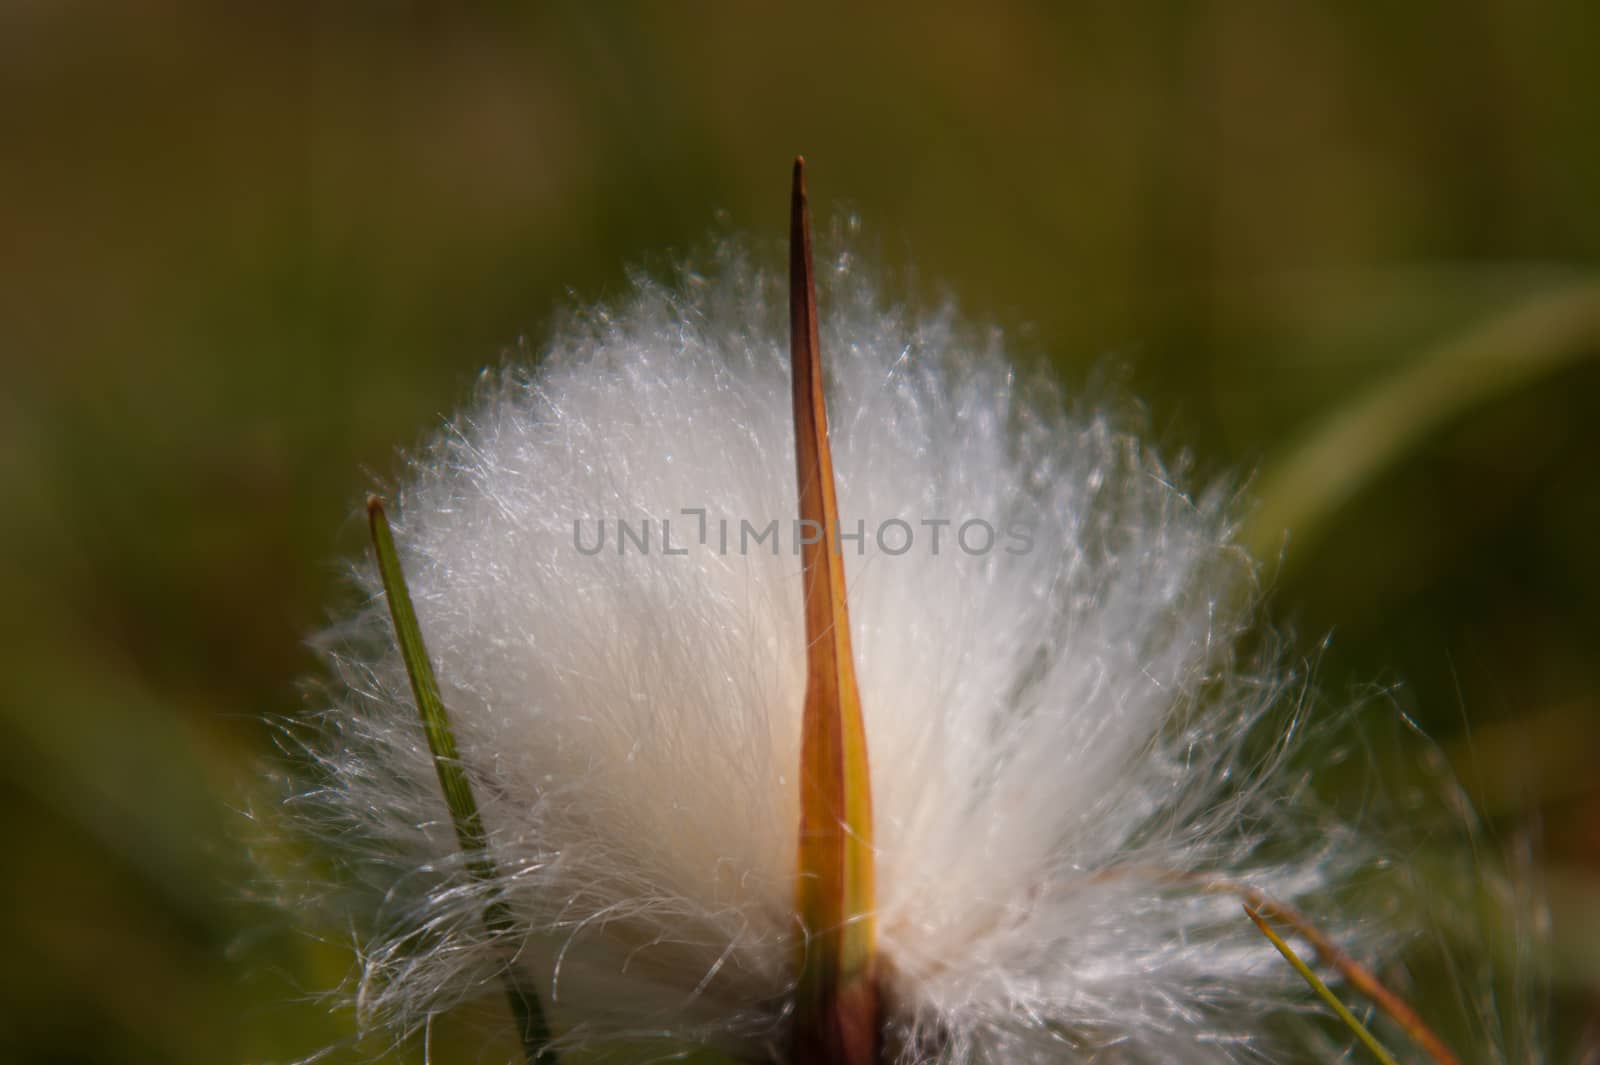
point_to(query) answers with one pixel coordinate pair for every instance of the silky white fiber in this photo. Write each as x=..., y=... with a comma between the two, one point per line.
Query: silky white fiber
x=1067, y=745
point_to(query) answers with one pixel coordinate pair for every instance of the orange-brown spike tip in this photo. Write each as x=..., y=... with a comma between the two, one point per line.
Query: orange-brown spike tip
x=837, y=1015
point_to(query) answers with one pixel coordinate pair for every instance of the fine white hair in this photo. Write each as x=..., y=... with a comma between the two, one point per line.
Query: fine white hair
x=1067, y=745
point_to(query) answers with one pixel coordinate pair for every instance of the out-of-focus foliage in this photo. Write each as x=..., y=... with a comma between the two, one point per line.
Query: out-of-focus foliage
x=247, y=253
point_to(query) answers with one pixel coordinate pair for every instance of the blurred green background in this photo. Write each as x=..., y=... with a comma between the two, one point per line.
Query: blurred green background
x=249, y=251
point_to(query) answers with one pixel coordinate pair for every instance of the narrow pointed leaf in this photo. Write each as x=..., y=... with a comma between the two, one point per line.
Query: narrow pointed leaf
x=497, y=917
x=1350, y=1020
x=1354, y=973
x=837, y=1009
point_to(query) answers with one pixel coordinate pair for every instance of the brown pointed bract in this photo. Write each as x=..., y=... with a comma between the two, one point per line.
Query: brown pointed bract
x=837, y=1013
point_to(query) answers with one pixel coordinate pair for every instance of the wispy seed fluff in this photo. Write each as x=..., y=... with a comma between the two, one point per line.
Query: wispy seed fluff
x=1067, y=750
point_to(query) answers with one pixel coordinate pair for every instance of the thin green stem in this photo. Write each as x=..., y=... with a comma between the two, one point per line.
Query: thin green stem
x=497, y=916
x=1351, y=1020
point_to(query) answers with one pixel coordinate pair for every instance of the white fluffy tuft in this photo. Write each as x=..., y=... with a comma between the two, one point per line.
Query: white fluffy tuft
x=1064, y=744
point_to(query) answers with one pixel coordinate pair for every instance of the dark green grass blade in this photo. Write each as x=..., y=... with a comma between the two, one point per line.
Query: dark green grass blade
x=1323, y=992
x=531, y=1025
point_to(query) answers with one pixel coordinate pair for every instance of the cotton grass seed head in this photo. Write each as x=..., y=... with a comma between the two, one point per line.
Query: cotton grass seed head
x=826, y=689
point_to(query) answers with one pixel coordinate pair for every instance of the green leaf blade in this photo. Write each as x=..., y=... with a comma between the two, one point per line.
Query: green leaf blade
x=1350, y=1020
x=532, y=1027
